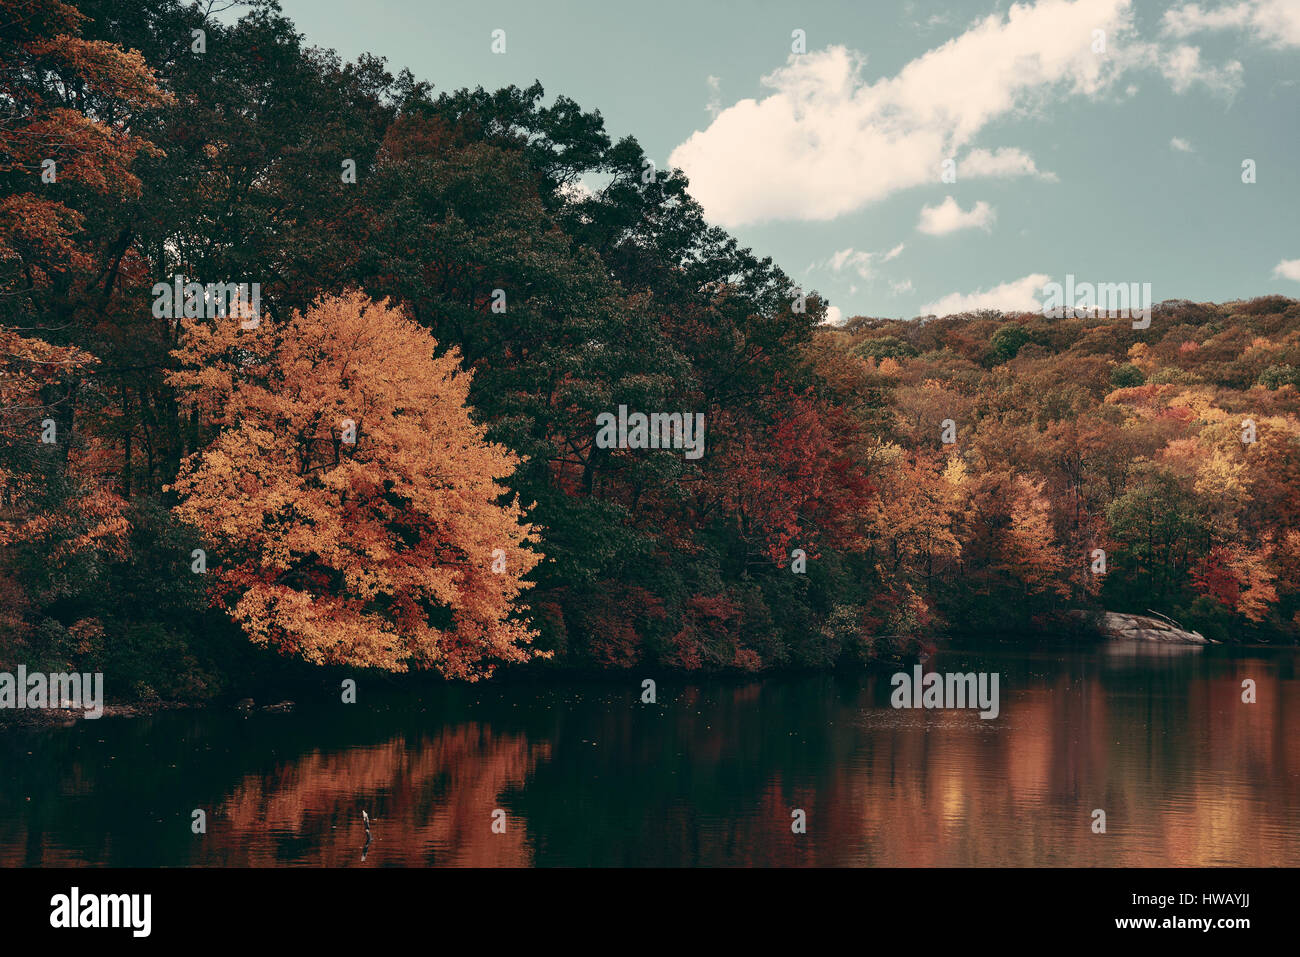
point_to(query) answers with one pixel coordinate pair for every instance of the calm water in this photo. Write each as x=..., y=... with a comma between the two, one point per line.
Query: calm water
x=1187, y=774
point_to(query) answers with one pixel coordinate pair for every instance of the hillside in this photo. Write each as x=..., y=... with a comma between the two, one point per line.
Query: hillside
x=1173, y=449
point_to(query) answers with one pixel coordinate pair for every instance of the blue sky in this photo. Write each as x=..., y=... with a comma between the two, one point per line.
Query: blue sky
x=1116, y=157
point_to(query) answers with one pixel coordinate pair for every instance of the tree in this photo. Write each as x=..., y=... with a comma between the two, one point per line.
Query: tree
x=1127, y=376
x=886, y=347
x=67, y=149
x=1007, y=342
x=1156, y=519
x=354, y=507
x=64, y=136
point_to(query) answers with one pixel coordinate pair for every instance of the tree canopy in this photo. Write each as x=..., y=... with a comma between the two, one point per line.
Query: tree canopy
x=452, y=287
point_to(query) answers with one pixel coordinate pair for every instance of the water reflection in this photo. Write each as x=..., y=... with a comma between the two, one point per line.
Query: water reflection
x=585, y=774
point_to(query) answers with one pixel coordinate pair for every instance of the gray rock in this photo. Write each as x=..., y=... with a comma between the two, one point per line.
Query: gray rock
x=1121, y=627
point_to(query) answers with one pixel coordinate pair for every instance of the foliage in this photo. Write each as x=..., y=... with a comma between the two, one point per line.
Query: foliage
x=497, y=274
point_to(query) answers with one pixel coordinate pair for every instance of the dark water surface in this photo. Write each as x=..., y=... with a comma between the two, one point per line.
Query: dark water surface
x=587, y=775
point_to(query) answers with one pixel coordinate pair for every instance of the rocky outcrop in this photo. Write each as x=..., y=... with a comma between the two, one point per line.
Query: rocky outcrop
x=1121, y=627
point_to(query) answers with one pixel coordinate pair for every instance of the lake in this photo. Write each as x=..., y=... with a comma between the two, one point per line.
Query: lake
x=1157, y=738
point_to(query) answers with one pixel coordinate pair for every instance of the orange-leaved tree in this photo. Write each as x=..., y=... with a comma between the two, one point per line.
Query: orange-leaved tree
x=67, y=106
x=69, y=111
x=355, y=509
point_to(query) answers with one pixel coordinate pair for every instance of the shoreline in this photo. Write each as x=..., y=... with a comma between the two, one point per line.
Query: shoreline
x=40, y=719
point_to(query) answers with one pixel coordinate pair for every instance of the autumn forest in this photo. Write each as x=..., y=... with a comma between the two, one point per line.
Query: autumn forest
x=394, y=464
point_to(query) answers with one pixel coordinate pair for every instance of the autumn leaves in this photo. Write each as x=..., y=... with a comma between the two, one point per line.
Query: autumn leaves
x=356, y=468
x=376, y=552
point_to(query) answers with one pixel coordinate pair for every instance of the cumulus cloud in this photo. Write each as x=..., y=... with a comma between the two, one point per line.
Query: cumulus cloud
x=825, y=141
x=834, y=316
x=1180, y=144
x=1287, y=269
x=948, y=217
x=1274, y=22
x=1019, y=295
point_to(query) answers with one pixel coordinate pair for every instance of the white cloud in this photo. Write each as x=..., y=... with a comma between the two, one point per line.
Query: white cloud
x=1189, y=18
x=948, y=217
x=858, y=260
x=714, y=106
x=1183, y=69
x=1274, y=22
x=1287, y=269
x=833, y=316
x=1180, y=144
x=898, y=288
x=1006, y=161
x=825, y=140
x=1019, y=295
x=576, y=191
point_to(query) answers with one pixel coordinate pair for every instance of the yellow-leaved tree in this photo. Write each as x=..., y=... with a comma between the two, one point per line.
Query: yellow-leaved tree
x=355, y=510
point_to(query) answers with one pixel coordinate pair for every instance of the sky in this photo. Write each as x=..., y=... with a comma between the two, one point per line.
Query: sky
x=1105, y=139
